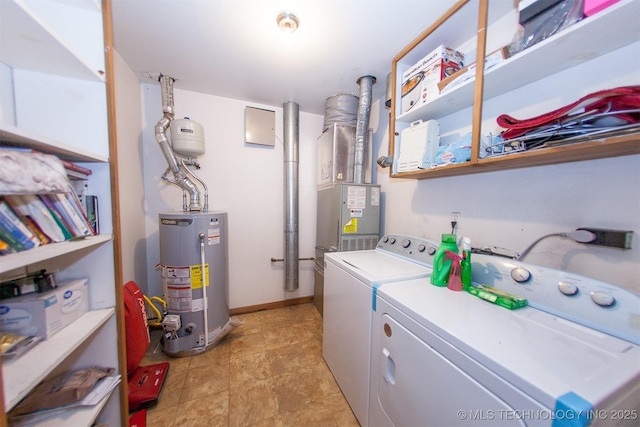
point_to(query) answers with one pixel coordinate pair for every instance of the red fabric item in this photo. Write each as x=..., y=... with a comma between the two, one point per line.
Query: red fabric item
x=617, y=99
x=135, y=319
x=138, y=419
x=145, y=385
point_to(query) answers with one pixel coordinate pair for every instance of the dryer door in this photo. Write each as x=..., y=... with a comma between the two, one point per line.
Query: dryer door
x=417, y=386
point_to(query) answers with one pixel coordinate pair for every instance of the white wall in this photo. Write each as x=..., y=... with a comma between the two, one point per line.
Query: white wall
x=507, y=209
x=511, y=209
x=131, y=180
x=7, y=110
x=244, y=180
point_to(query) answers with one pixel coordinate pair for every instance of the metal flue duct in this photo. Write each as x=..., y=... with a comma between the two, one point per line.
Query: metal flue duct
x=180, y=178
x=291, y=139
x=362, y=127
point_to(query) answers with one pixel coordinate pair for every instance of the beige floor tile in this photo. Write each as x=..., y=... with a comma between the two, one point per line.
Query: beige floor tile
x=208, y=411
x=247, y=367
x=286, y=359
x=268, y=372
x=312, y=414
x=171, y=390
x=165, y=417
x=247, y=343
x=269, y=422
x=295, y=389
x=252, y=403
x=215, y=355
x=342, y=412
x=206, y=380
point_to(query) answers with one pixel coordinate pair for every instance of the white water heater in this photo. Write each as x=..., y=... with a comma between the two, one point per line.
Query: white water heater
x=197, y=303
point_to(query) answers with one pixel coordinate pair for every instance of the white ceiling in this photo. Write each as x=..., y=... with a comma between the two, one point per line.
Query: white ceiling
x=234, y=48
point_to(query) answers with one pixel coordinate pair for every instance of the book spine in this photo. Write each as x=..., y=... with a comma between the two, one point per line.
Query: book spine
x=91, y=203
x=79, y=207
x=27, y=220
x=13, y=234
x=9, y=238
x=62, y=223
x=5, y=249
x=76, y=167
x=19, y=229
x=31, y=205
x=35, y=229
x=81, y=188
x=69, y=213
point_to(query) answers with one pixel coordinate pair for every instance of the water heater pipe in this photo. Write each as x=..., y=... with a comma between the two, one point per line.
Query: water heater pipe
x=291, y=137
x=205, y=300
x=362, y=127
x=180, y=179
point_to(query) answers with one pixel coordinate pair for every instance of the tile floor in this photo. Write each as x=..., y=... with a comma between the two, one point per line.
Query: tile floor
x=267, y=372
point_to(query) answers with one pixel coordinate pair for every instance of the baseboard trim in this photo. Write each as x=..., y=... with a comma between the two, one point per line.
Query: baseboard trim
x=270, y=305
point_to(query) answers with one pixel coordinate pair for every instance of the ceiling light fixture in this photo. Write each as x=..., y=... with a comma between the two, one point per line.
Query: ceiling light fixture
x=287, y=21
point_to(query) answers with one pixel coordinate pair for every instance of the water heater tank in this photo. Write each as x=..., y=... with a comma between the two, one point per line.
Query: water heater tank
x=187, y=137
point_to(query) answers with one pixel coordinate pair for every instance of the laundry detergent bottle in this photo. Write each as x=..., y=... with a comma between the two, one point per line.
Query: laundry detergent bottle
x=441, y=265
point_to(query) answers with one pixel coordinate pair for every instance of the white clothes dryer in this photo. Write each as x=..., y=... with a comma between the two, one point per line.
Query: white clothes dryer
x=445, y=358
x=350, y=284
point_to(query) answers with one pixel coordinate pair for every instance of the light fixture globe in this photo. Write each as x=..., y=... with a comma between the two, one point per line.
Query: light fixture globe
x=287, y=21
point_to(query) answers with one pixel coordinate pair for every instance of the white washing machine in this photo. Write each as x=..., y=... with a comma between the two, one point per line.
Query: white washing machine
x=350, y=283
x=570, y=358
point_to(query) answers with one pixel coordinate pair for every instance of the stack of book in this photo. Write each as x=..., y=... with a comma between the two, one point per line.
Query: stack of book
x=78, y=177
x=31, y=220
x=31, y=217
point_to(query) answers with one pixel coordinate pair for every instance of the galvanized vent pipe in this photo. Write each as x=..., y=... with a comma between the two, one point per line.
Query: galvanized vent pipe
x=179, y=177
x=291, y=139
x=362, y=127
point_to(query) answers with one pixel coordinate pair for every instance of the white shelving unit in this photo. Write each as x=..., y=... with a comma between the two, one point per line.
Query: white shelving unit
x=52, y=57
x=23, y=373
x=595, y=36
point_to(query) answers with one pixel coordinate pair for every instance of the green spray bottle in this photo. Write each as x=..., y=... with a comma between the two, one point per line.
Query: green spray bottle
x=441, y=265
x=465, y=265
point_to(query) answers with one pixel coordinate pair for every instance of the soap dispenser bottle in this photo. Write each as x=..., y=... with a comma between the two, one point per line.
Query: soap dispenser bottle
x=441, y=265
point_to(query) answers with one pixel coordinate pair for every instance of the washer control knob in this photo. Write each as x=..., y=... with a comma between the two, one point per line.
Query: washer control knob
x=603, y=299
x=431, y=250
x=568, y=288
x=392, y=240
x=406, y=243
x=385, y=239
x=520, y=274
x=421, y=247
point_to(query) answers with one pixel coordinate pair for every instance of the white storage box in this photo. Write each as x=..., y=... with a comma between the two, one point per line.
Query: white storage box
x=420, y=82
x=43, y=315
x=418, y=146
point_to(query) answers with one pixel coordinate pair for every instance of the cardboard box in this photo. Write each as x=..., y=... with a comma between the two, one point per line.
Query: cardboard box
x=420, y=82
x=44, y=315
x=490, y=60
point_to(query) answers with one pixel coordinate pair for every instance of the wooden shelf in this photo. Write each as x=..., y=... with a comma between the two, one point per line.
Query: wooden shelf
x=579, y=151
x=583, y=41
x=592, y=37
x=20, y=375
x=57, y=54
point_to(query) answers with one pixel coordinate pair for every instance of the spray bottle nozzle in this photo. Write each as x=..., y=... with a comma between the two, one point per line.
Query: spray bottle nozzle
x=454, y=257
